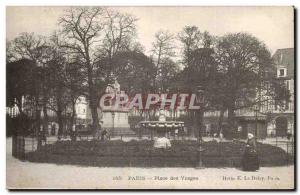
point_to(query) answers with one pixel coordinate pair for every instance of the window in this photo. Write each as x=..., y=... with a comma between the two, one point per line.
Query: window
x=281, y=72
x=287, y=105
x=288, y=85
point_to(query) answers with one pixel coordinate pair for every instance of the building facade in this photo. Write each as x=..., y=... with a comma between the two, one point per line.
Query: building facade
x=271, y=117
x=281, y=115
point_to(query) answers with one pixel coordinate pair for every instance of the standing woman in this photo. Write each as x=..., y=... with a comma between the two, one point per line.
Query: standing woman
x=250, y=161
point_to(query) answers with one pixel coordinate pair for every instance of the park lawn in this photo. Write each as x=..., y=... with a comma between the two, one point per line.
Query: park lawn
x=142, y=154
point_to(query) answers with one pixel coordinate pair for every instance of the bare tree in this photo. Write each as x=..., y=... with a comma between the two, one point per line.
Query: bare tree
x=94, y=35
x=192, y=39
x=35, y=48
x=119, y=35
x=28, y=46
x=119, y=32
x=71, y=76
x=81, y=28
x=162, y=49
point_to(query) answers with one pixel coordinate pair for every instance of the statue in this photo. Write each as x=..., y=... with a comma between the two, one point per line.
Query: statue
x=162, y=116
x=115, y=120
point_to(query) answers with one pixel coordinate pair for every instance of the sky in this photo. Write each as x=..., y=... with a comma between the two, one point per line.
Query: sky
x=272, y=25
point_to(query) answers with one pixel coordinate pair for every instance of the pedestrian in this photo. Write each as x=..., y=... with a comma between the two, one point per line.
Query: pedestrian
x=250, y=161
x=239, y=132
x=162, y=142
x=103, y=134
x=53, y=129
x=176, y=134
x=73, y=133
x=221, y=137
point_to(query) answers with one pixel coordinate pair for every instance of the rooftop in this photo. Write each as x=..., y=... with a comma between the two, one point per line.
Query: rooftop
x=285, y=57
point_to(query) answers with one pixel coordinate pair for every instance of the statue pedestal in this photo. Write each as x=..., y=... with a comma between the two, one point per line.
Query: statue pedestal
x=116, y=119
x=116, y=122
x=120, y=119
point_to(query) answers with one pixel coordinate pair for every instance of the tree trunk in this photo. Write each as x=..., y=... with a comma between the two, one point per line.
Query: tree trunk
x=93, y=106
x=38, y=120
x=199, y=122
x=44, y=101
x=73, y=114
x=59, y=113
x=220, y=121
x=45, y=118
x=231, y=122
x=60, y=123
x=190, y=123
x=95, y=126
x=37, y=116
x=92, y=96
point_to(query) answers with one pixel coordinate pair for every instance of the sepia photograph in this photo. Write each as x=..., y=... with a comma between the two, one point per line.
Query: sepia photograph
x=150, y=97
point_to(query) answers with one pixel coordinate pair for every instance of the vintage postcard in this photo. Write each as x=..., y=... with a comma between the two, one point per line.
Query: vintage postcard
x=101, y=97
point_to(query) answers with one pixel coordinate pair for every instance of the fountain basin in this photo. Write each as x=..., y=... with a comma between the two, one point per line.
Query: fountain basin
x=162, y=124
x=165, y=127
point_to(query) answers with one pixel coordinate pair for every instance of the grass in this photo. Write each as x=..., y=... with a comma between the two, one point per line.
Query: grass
x=141, y=154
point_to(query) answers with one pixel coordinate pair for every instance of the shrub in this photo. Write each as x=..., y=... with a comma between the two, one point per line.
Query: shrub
x=142, y=154
x=19, y=125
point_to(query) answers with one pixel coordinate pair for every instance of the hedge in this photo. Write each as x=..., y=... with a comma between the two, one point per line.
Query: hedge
x=141, y=154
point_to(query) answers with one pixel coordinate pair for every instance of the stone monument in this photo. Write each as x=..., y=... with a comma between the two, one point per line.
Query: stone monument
x=116, y=119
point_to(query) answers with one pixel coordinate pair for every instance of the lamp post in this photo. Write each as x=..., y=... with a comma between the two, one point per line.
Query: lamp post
x=113, y=123
x=70, y=129
x=44, y=61
x=256, y=109
x=38, y=130
x=199, y=114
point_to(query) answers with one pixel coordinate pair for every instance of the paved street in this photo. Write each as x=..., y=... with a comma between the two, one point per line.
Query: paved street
x=38, y=175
